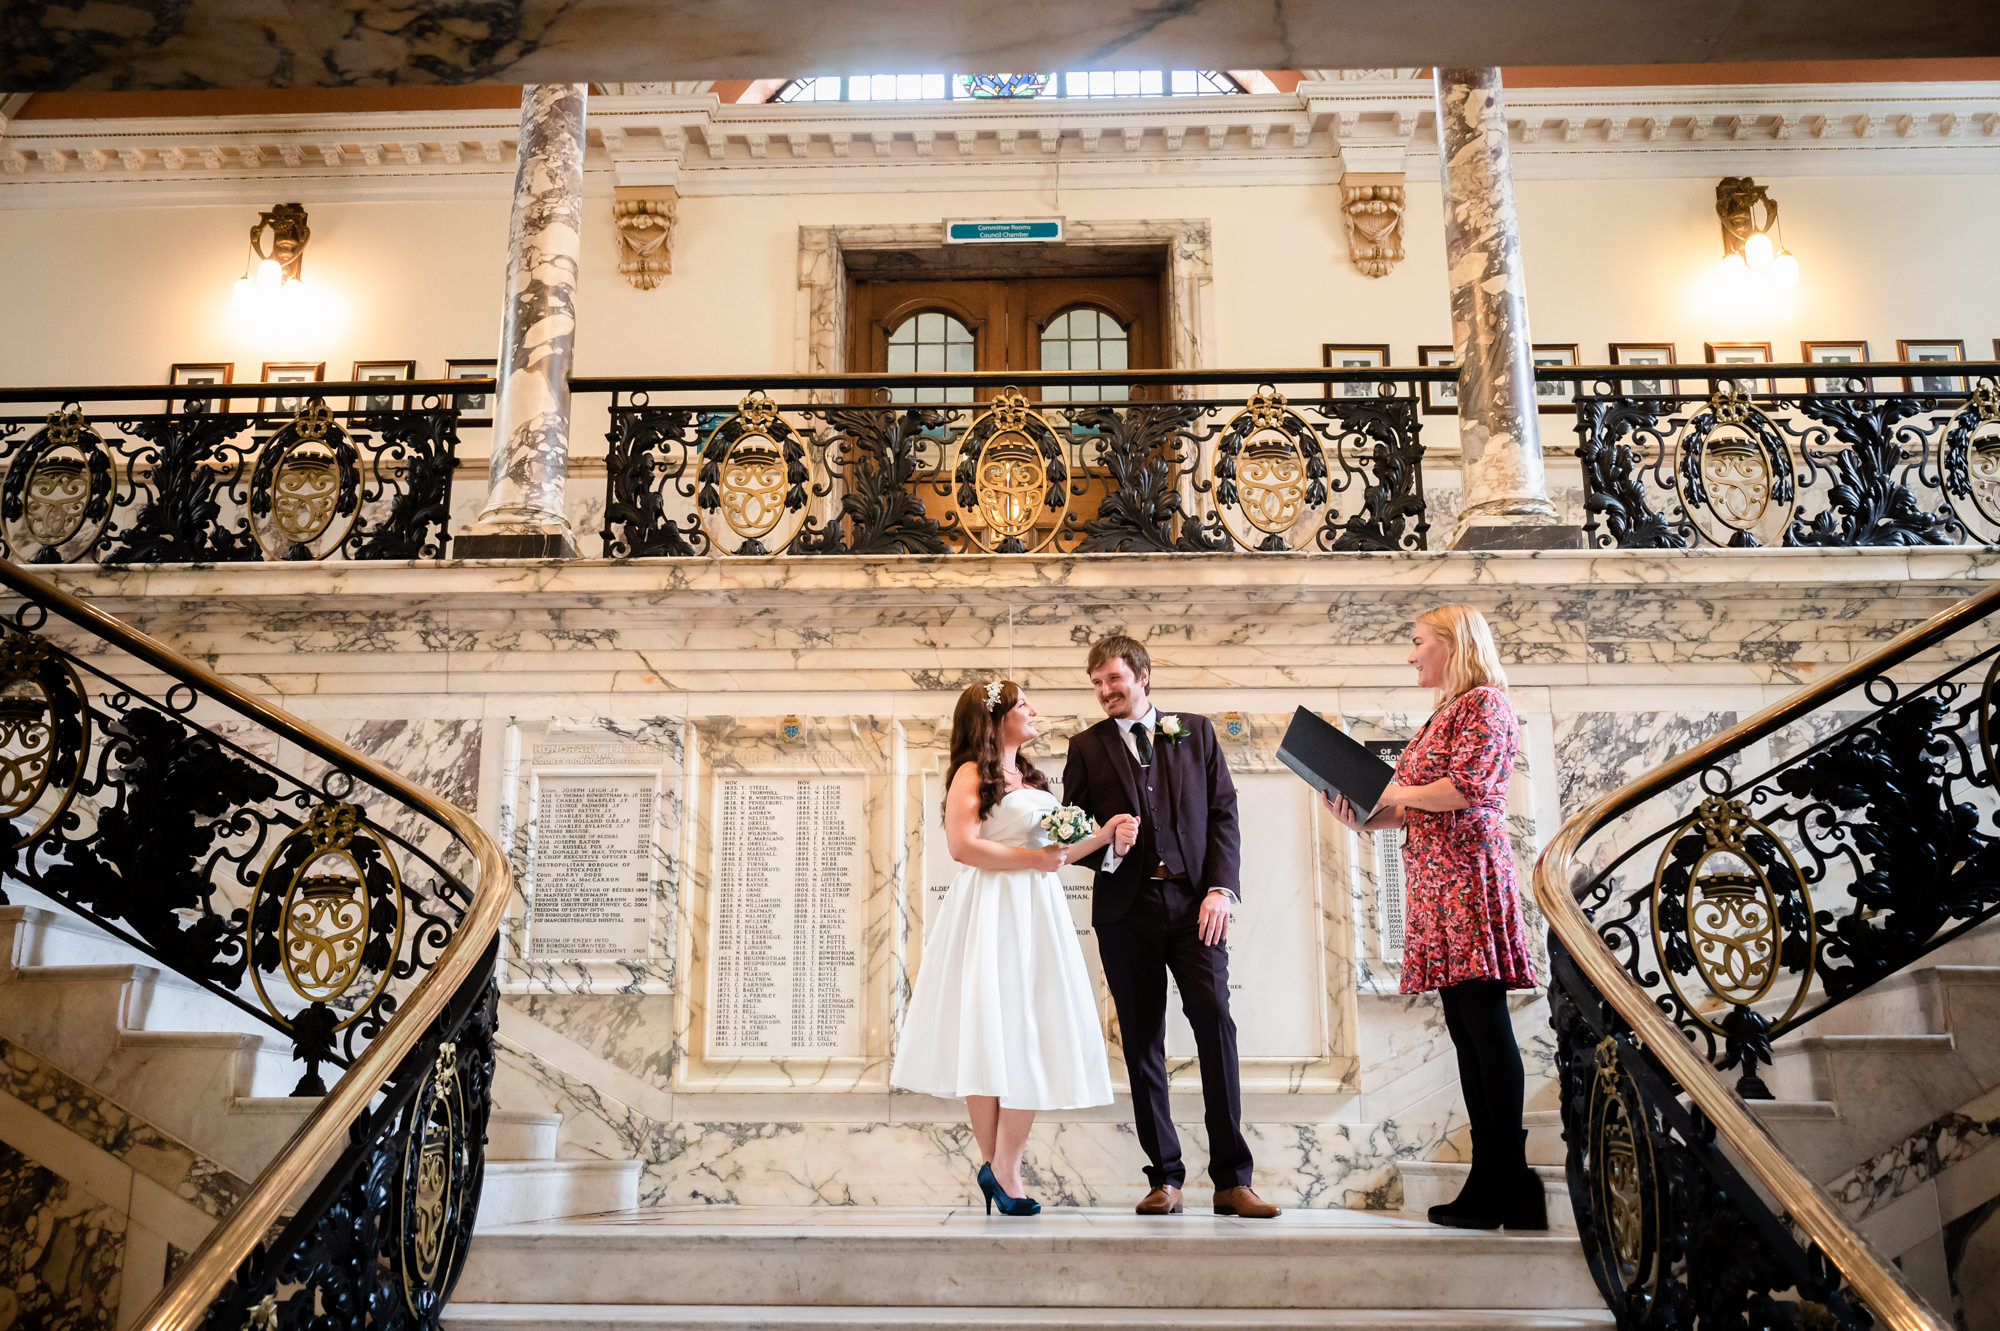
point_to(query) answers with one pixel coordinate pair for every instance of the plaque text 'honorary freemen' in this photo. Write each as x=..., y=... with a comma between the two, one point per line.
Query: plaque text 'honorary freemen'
x=591, y=868
x=786, y=917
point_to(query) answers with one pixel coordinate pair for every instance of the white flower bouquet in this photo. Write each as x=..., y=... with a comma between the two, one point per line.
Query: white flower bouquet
x=1068, y=825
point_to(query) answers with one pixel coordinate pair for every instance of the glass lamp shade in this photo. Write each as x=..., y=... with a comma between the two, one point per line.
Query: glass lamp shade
x=1785, y=270
x=269, y=275
x=1757, y=250
x=1733, y=266
x=246, y=292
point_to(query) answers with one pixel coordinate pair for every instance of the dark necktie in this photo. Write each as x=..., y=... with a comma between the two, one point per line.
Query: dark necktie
x=1142, y=740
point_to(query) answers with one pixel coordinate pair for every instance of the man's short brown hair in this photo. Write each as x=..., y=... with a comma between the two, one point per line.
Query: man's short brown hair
x=1129, y=650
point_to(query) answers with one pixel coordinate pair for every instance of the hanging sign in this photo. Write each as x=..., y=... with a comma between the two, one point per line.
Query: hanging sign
x=997, y=231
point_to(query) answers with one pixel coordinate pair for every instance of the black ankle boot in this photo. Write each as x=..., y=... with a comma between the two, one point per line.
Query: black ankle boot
x=1523, y=1203
x=1472, y=1197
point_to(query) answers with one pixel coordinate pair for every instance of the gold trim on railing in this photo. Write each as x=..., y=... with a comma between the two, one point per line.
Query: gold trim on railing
x=183, y=1304
x=1874, y=1278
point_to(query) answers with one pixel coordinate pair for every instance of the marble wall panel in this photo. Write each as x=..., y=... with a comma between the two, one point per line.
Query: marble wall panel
x=855, y=755
x=1070, y=1161
x=62, y=1252
x=652, y=748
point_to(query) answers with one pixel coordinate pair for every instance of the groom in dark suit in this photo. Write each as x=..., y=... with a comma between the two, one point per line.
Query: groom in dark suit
x=1162, y=902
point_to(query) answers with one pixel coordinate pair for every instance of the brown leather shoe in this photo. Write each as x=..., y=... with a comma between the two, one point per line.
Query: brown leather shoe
x=1241, y=1201
x=1163, y=1200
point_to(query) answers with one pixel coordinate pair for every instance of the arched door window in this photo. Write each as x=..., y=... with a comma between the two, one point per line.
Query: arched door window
x=1085, y=338
x=928, y=342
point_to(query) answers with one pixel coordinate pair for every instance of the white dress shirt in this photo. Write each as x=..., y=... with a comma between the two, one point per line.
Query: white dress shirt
x=1151, y=720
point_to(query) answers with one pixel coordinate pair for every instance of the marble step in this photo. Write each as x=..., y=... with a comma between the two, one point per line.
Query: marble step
x=1426, y=1183
x=712, y=1317
x=937, y=1258
x=523, y=1191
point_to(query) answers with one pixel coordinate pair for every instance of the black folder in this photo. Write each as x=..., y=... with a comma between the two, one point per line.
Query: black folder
x=1333, y=762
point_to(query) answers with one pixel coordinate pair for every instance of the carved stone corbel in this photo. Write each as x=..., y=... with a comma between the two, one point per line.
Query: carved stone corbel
x=644, y=215
x=1373, y=207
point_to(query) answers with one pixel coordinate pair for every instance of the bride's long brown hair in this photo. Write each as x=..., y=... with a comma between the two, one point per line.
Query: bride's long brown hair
x=975, y=738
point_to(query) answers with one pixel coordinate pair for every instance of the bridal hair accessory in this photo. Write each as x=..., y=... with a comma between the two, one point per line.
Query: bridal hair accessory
x=993, y=687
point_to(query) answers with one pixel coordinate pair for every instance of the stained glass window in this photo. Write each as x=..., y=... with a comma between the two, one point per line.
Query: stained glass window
x=1085, y=339
x=952, y=87
x=926, y=343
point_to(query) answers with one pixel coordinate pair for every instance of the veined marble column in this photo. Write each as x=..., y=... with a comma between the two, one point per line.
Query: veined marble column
x=523, y=517
x=1506, y=501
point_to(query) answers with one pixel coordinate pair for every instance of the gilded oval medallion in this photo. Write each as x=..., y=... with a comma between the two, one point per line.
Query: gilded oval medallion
x=1738, y=479
x=304, y=490
x=54, y=498
x=752, y=486
x=1271, y=482
x=1012, y=482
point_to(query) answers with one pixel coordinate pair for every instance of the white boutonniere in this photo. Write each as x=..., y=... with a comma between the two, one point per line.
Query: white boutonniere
x=1171, y=729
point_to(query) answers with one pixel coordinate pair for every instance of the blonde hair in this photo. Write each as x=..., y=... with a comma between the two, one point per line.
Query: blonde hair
x=1474, y=660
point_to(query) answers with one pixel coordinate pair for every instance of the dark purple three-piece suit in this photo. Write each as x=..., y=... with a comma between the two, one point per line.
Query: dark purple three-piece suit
x=1147, y=926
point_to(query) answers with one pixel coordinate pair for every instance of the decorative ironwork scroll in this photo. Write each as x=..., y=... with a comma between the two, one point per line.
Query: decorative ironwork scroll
x=285, y=898
x=1673, y=1234
x=752, y=482
x=228, y=486
x=1781, y=893
x=383, y=1237
x=1799, y=469
x=1012, y=476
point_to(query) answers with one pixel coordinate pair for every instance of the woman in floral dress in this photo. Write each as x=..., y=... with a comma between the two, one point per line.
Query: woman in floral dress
x=1464, y=934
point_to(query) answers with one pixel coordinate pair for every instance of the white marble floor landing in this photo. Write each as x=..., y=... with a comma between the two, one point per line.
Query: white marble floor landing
x=1093, y=1222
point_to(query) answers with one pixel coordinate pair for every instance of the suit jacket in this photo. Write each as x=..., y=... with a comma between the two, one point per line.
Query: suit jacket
x=1195, y=804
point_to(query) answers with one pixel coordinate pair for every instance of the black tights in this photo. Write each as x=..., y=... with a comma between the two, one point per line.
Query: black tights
x=1489, y=1069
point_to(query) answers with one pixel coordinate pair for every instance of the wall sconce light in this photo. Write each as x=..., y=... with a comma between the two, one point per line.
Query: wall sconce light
x=277, y=260
x=1752, y=240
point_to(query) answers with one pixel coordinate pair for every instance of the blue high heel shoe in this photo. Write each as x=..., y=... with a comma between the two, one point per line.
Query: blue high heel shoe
x=1009, y=1205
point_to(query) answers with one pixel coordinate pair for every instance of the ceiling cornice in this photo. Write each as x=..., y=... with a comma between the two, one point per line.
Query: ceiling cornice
x=1312, y=135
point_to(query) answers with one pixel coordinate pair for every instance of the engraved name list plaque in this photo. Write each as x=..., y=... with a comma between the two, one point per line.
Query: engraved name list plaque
x=785, y=917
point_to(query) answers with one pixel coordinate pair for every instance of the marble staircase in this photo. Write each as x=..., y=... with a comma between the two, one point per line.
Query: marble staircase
x=204, y=1073
x=697, y=1268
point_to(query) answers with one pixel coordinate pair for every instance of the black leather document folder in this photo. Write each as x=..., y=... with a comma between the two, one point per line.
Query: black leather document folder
x=1333, y=762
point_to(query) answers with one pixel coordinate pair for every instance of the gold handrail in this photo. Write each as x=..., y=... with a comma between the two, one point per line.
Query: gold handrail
x=183, y=1304
x=1878, y=1282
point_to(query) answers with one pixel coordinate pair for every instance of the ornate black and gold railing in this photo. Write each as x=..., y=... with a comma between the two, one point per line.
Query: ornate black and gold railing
x=348, y=910
x=1036, y=463
x=158, y=475
x=1681, y=456
x=1816, y=848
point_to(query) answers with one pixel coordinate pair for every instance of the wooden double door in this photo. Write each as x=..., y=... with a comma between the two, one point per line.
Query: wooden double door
x=999, y=324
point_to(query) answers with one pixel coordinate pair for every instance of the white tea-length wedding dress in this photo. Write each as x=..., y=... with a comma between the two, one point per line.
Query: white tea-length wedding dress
x=1003, y=1004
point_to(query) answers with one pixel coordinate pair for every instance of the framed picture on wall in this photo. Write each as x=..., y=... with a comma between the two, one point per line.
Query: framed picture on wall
x=382, y=371
x=207, y=373
x=290, y=372
x=1741, y=353
x=475, y=409
x=1440, y=399
x=1942, y=350
x=1646, y=353
x=1355, y=356
x=1551, y=394
x=1836, y=353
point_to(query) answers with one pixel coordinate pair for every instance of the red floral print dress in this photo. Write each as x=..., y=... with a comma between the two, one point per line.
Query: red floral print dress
x=1461, y=908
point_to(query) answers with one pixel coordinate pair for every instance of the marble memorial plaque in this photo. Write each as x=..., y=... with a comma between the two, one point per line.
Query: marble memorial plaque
x=785, y=917
x=1277, y=989
x=590, y=866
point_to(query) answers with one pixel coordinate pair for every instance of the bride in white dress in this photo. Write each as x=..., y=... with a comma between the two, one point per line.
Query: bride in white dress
x=1002, y=1014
